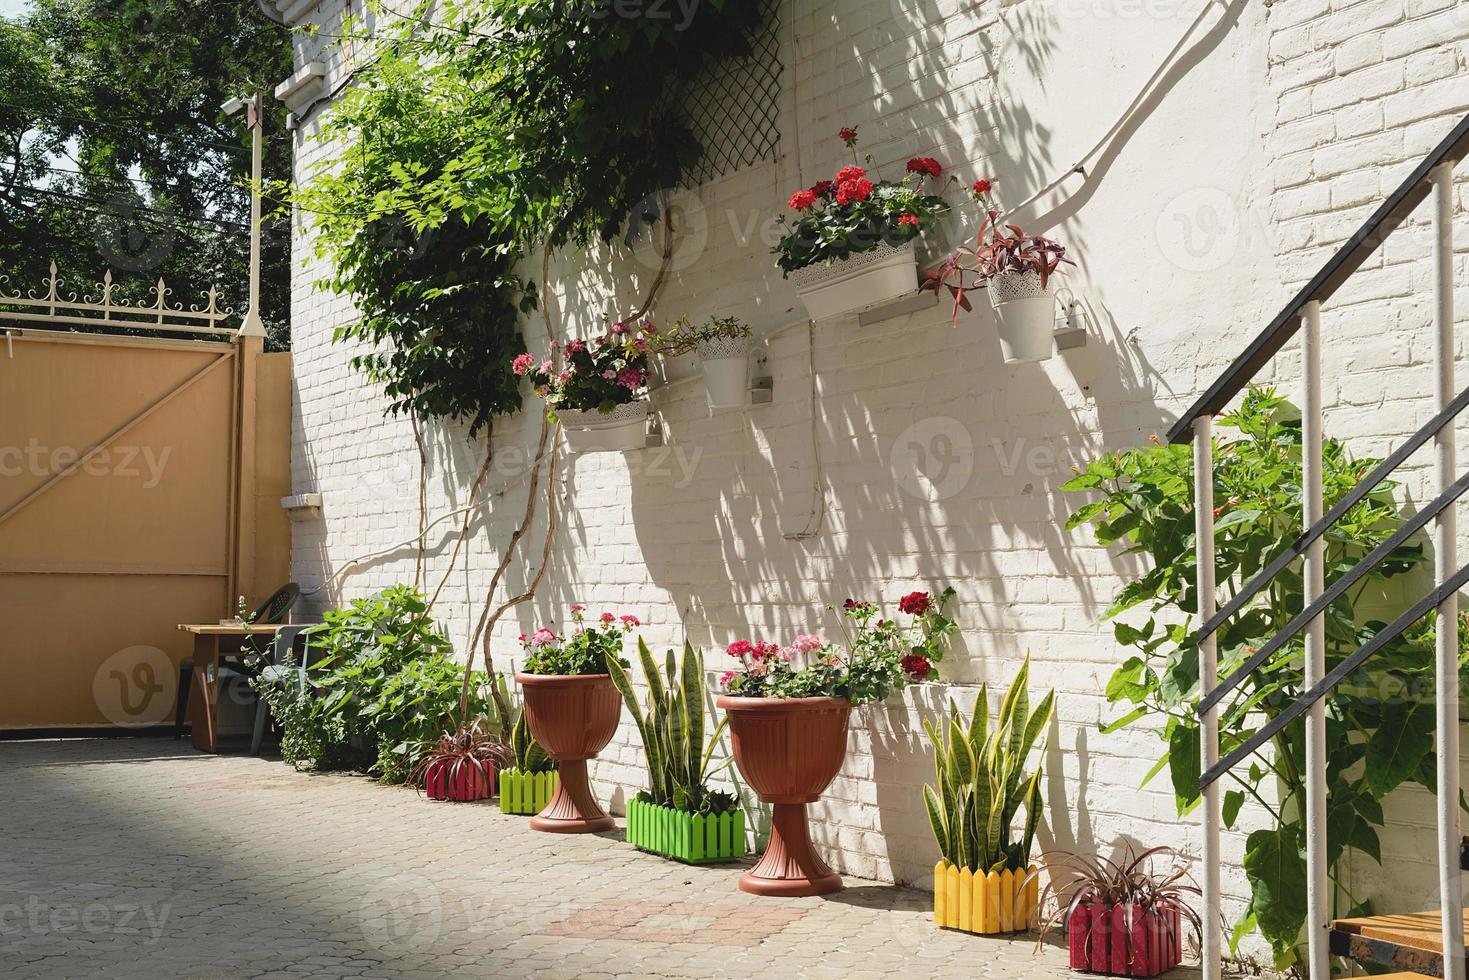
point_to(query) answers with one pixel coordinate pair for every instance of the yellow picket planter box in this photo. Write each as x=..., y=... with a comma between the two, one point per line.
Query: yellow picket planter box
x=986, y=904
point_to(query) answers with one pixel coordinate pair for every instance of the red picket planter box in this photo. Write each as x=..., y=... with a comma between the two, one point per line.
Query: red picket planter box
x=1125, y=941
x=459, y=780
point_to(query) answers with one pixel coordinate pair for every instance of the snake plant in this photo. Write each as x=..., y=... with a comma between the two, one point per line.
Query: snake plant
x=529, y=756
x=982, y=781
x=672, y=729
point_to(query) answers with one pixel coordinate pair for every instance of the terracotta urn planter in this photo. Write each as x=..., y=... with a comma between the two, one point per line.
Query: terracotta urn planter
x=573, y=717
x=789, y=750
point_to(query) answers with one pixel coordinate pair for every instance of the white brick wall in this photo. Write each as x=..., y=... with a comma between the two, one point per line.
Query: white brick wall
x=1275, y=137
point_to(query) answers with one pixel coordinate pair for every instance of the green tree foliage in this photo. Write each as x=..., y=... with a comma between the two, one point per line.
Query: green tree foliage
x=479, y=132
x=114, y=151
x=1380, y=722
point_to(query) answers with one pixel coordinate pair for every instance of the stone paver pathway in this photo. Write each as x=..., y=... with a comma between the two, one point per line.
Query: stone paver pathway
x=143, y=858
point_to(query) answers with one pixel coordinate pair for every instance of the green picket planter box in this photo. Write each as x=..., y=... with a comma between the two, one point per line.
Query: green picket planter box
x=525, y=792
x=684, y=836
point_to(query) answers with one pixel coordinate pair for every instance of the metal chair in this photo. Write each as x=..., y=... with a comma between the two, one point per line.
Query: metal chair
x=273, y=611
x=290, y=656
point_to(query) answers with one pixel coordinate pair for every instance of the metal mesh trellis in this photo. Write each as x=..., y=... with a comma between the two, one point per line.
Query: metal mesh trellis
x=733, y=107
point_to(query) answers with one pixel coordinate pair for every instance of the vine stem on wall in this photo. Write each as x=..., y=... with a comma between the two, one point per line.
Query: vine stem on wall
x=490, y=616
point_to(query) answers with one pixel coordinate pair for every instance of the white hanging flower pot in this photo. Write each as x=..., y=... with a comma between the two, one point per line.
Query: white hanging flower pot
x=1026, y=312
x=866, y=279
x=623, y=428
x=725, y=362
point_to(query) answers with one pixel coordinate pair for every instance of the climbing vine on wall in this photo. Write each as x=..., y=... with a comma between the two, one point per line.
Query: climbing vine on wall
x=479, y=132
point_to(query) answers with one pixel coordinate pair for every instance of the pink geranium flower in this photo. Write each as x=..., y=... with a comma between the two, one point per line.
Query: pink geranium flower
x=807, y=643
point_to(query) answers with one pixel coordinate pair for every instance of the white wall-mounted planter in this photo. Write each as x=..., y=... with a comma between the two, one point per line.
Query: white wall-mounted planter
x=867, y=279
x=1026, y=314
x=725, y=363
x=623, y=428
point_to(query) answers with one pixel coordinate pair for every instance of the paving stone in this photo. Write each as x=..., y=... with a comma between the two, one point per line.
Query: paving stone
x=233, y=867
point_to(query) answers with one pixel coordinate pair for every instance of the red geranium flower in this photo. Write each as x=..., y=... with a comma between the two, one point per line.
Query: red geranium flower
x=907, y=218
x=916, y=666
x=914, y=603
x=849, y=173
x=608, y=618
x=822, y=188
x=847, y=134
x=925, y=165
x=982, y=186
x=740, y=649
x=853, y=190
x=801, y=200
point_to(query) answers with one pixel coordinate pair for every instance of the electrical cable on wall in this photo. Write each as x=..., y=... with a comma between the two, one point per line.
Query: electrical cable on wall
x=817, y=519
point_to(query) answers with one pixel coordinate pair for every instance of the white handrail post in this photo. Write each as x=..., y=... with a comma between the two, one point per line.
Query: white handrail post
x=1446, y=647
x=1213, y=946
x=1318, y=894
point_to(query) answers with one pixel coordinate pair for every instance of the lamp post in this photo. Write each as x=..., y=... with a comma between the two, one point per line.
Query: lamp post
x=253, y=326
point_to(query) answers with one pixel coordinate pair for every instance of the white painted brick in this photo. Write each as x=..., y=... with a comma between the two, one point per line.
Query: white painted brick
x=1292, y=131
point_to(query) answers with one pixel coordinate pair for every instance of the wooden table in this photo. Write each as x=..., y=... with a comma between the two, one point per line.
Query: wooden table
x=211, y=642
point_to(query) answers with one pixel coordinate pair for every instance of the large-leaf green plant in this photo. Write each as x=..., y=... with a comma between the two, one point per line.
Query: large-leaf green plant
x=672, y=730
x=982, y=781
x=1379, y=730
x=382, y=683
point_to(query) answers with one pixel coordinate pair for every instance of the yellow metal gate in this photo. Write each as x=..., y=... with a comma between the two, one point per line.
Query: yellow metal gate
x=140, y=486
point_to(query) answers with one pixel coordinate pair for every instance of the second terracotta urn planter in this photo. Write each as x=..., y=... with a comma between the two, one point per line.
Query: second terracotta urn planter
x=573, y=717
x=789, y=750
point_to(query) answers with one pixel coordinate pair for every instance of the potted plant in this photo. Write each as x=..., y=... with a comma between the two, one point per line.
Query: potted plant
x=596, y=393
x=1018, y=270
x=851, y=245
x=526, y=788
x=1122, y=919
x=460, y=766
x=723, y=345
x=985, y=882
x=572, y=708
x=678, y=816
x=788, y=724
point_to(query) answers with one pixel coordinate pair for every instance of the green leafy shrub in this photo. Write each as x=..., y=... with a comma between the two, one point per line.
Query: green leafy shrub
x=678, y=754
x=982, y=781
x=381, y=686
x=1379, y=731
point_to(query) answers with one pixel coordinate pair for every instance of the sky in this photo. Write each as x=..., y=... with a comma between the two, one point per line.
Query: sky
x=9, y=8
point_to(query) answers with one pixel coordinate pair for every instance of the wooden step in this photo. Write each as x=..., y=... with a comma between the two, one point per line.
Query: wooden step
x=1409, y=942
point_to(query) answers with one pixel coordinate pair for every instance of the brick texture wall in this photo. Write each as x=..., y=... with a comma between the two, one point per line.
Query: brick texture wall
x=1272, y=136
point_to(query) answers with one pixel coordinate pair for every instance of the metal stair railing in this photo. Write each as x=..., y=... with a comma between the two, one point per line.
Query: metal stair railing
x=1433, y=176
